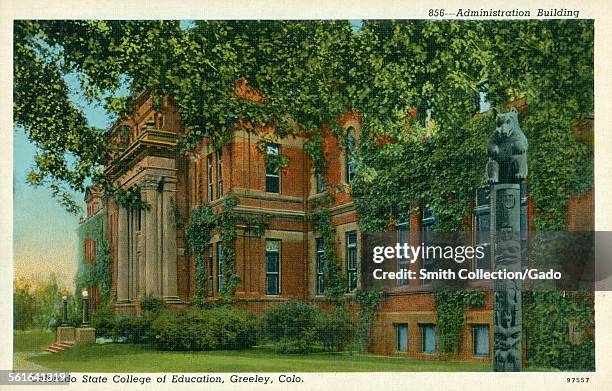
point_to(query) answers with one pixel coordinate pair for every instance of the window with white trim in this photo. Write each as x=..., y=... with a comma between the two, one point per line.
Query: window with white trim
x=273, y=168
x=273, y=247
x=320, y=266
x=351, y=155
x=209, y=165
x=219, y=154
x=351, y=259
x=219, y=267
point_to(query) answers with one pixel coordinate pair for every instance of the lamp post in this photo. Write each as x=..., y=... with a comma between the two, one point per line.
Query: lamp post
x=85, y=308
x=64, y=310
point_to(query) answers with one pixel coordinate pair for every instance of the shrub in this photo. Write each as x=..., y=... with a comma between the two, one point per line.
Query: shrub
x=150, y=304
x=291, y=320
x=217, y=328
x=133, y=329
x=297, y=327
x=335, y=330
x=105, y=322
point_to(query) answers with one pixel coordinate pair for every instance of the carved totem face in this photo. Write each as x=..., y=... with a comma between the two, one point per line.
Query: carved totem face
x=506, y=123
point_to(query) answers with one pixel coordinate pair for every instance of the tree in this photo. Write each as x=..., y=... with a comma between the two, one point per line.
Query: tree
x=306, y=73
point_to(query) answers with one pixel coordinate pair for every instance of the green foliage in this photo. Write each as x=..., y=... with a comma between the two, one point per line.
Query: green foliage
x=220, y=327
x=227, y=224
x=96, y=273
x=133, y=329
x=546, y=319
x=450, y=316
x=368, y=305
x=290, y=320
x=202, y=222
x=152, y=305
x=295, y=327
x=24, y=307
x=310, y=72
x=38, y=307
x=334, y=329
x=335, y=286
x=104, y=321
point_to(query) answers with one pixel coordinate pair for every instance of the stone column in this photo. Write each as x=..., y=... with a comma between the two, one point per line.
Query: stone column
x=122, y=256
x=150, y=243
x=169, y=256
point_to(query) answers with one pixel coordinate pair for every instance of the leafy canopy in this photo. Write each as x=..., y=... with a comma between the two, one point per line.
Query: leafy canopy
x=310, y=72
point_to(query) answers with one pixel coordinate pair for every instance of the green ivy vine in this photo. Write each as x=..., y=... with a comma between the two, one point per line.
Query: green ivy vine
x=198, y=232
x=332, y=275
x=368, y=305
x=202, y=224
x=227, y=224
x=547, y=317
x=96, y=273
x=450, y=316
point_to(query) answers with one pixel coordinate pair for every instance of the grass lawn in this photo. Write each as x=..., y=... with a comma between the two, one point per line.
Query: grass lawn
x=32, y=340
x=28, y=354
x=137, y=358
x=27, y=344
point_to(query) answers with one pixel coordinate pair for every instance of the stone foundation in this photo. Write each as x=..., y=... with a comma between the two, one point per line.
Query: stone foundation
x=65, y=333
x=85, y=335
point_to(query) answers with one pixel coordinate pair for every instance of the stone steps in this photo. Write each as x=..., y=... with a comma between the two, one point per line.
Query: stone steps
x=60, y=346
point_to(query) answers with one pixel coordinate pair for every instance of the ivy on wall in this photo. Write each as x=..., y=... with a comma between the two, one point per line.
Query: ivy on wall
x=201, y=225
x=227, y=225
x=547, y=320
x=335, y=285
x=198, y=233
x=96, y=273
x=450, y=316
x=368, y=305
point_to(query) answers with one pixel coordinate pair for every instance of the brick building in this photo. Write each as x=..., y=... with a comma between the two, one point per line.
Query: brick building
x=148, y=254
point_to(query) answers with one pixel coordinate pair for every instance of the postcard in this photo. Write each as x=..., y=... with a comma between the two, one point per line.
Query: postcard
x=267, y=195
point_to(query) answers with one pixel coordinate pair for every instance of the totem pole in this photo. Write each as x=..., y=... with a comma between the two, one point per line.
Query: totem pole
x=506, y=170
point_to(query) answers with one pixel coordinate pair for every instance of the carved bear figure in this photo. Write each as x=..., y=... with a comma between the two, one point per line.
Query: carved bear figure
x=507, y=150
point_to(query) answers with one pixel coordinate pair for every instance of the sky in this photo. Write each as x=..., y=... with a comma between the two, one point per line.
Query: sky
x=44, y=234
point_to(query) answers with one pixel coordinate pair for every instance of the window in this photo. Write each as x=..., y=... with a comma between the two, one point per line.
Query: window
x=90, y=251
x=402, y=232
x=483, y=226
x=428, y=337
x=320, y=266
x=351, y=259
x=211, y=274
x=401, y=333
x=428, y=224
x=273, y=168
x=219, y=173
x=482, y=101
x=209, y=164
x=199, y=181
x=219, y=267
x=351, y=155
x=272, y=267
x=320, y=178
x=480, y=337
